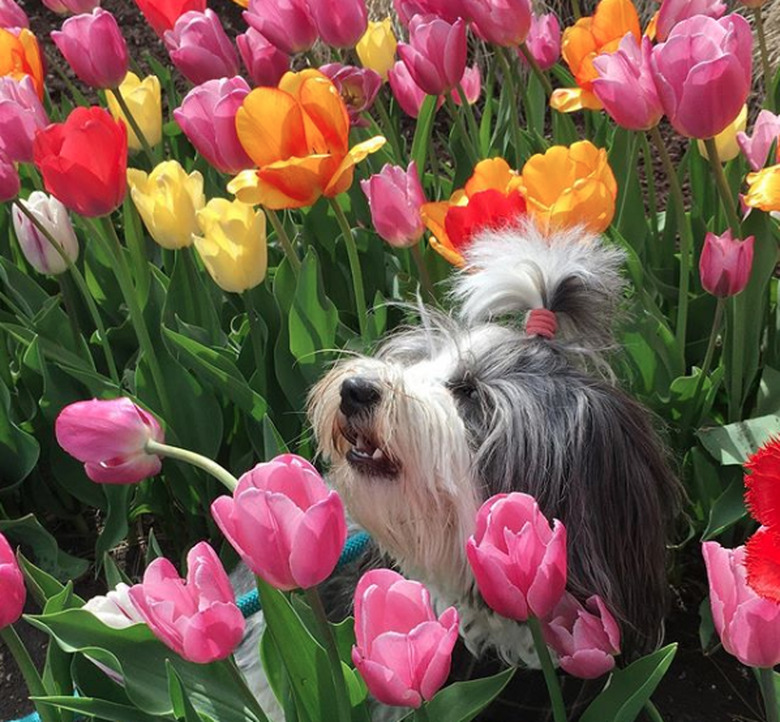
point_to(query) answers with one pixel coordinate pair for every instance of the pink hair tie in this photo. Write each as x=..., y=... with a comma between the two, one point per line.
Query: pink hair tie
x=541, y=322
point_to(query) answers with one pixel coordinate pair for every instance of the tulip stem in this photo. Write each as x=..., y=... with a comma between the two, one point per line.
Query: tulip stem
x=389, y=127
x=131, y=121
x=765, y=68
x=69, y=306
x=766, y=678
x=343, y=705
x=354, y=267
x=30, y=673
x=509, y=79
x=705, y=367
x=422, y=270
x=723, y=187
x=550, y=678
x=284, y=240
x=535, y=69
x=575, y=9
x=220, y=473
x=470, y=118
x=464, y=134
x=254, y=327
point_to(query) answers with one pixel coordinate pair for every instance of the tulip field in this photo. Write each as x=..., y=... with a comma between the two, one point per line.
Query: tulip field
x=206, y=204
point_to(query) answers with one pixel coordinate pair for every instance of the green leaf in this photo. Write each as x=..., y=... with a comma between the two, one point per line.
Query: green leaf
x=628, y=689
x=98, y=708
x=116, y=526
x=732, y=444
x=727, y=510
x=42, y=584
x=768, y=392
x=19, y=451
x=182, y=707
x=422, y=131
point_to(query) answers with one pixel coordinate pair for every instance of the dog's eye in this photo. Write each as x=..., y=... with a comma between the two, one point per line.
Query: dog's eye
x=463, y=389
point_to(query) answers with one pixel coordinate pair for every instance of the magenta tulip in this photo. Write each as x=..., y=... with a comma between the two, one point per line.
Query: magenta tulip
x=279, y=514
x=200, y=49
x=358, y=88
x=406, y=92
x=501, y=22
x=436, y=53
x=725, y=264
x=766, y=131
x=94, y=47
x=264, y=61
x=110, y=438
x=748, y=625
x=625, y=85
x=395, y=196
x=448, y=10
x=403, y=651
x=544, y=40
x=197, y=618
x=12, y=16
x=519, y=562
x=673, y=12
x=74, y=7
x=703, y=73
x=340, y=23
x=586, y=639
x=10, y=183
x=288, y=24
x=12, y=591
x=471, y=83
x=207, y=116
x=21, y=116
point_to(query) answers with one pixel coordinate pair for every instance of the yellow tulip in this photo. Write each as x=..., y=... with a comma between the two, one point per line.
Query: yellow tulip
x=233, y=244
x=167, y=200
x=726, y=140
x=764, y=191
x=144, y=99
x=376, y=49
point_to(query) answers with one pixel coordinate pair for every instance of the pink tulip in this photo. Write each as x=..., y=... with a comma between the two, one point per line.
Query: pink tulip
x=110, y=438
x=748, y=626
x=264, y=61
x=288, y=24
x=544, y=40
x=197, y=618
x=285, y=523
x=519, y=562
x=10, y=183
x=625, y=85
x=403, y=651
x=436, y=53
x=501, y=22
x=200, y=49
x=586, y=639
x=406, y=92
x=358, y=88
x=448, y=10
x=94, y=47
x=12, y=16
x=725, y=264
x=395, y=196
x=471, y=82
x=21, y=116
x=74, y=7
x=703, y=73
x=675, y=11
x=12, y=590
x=756, y=148
x=207, y=116
x=340, y=23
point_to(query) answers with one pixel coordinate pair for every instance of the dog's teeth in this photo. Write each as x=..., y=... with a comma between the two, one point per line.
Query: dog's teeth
x=378, y=454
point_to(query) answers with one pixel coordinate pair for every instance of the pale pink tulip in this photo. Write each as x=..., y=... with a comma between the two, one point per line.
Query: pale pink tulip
x=358, y=88
x=675, y=11
x=74, y=7
x=110, y=438
x=197, y=618
x=288, y=527
x=12, y=591
x=501, y=22
x=12, y=16
x=288, y=24
x=519, y=562
x=544, y=40
x=471, y=83
x=756, y=148
x=264, y=61
x=395, y=196
x=10, y=183
x=449, y=10
x=406, y=92
x=403, y=651
x=21, y=116
x=725, y=264
x=340, y=23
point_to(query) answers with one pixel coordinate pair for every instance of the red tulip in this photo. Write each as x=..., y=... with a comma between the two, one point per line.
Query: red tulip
x=762, y=483
x=763, y=564
x=725, y=264
x=163, y=14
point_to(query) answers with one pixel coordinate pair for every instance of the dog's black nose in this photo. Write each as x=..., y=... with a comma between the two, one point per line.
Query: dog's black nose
x=358, y=394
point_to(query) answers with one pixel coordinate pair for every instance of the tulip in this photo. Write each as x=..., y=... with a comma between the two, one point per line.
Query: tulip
x=298, y=135
x=376, y=49
x=233, y=244
x=586, y=639
x=566, y=187
x=110, y=437
x=725, y=264
x=518, y=561
x=10, y=183
x=12, y=590
x=762, y=484
x=207, y=116
x=20, y=56
x=163, y=14
x=74, y=7
x=115, y=609
x=264, y=61
x=762, y=559
x=402, y=651
x=395, y=197
x=94, y=47
x=340, y=23
x=447, y=10
x=673, y=12
x=21, y=116
x=406, y=92
x=37, y=249
x=167, y=200
x=544, y=40
x=200, y=49
x=144, y=98
x=625, y=85
x=726, y=141
x=197, y=618
x=279, y=514
x=358, y=88
x=764, y=191
x=12, y=16
x=748, y=625
x=436, y=53
x=501, y=22
x=766, y=131
x=288, y=24
x=83, y=161
x=703, y=73
x=471, y=83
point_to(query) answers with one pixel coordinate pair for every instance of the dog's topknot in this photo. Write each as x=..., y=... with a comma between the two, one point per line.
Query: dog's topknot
x=570, y=272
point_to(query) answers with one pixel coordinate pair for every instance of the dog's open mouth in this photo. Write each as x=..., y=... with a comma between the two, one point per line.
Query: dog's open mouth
x=365, y=454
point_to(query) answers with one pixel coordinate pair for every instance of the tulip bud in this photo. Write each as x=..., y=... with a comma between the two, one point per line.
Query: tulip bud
x=436, y=53
x=544, y=40
x=340, y=23
x=406, y=92
x=144, y=98
x=12, y=16
x=10, y=183
x=395, y=196
x=74, y=7
x=766, y=131
x=12, y=590
x=289, y=24
x=376, y=49
x=167, y=200
x=21, y=116
x=358, y=88
x=264, y=61
x=37, y=249
x=726, y=141
x=725, y=264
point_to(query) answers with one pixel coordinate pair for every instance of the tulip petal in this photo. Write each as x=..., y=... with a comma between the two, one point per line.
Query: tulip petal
x=434, y=663
x=494, y=585
x=587, y=663
x=213, y=633
x=385, y=685
x=763, y=564
x=323, y=527
x=341, y=179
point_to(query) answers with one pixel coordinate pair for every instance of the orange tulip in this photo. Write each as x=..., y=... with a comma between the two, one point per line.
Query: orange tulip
x=298, y=136
x=20, y=56
x=571, y=186
x=588, y=37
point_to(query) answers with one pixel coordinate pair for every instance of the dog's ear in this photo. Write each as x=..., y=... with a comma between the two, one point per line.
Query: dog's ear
x=570, y=272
